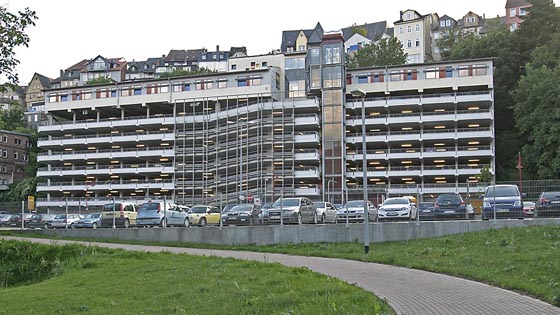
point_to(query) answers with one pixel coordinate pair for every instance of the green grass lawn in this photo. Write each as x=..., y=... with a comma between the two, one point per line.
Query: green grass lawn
x=522, y=259
x=81, y=280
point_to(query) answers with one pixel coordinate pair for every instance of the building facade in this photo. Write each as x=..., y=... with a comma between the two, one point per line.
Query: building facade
x=290, y=128
x=516, y=10
x=14, y=157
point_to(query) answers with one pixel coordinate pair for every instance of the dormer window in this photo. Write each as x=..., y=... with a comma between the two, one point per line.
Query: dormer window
x=448, y=23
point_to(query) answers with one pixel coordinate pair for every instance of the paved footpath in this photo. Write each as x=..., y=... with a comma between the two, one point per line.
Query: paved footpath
x=408, y=291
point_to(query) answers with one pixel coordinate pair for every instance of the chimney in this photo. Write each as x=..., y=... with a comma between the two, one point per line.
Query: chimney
x=217, y=48
x=61, y=72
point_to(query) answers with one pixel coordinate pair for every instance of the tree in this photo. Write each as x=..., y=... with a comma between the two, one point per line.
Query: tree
x=485, y=175
x=11, y=119
x=12, y=35
x=537, y=111
x=449, y=40
x=358, y=30
x=384, y=53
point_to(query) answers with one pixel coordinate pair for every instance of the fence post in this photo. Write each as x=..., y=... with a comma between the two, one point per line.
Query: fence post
x=22, y=214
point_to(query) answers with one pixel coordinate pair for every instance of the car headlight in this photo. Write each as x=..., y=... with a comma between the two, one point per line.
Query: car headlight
x=486, y=204
x=404, y=209
x=517, y=203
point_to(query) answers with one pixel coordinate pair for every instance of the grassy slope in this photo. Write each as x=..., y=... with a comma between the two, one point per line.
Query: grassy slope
x=119, y=282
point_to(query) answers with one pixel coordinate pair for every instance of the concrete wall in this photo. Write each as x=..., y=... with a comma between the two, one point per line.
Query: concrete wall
x=267, y=235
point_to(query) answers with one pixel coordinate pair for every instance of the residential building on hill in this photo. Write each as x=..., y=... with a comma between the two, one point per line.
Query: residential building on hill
x=414, y=32
x=516, y=10
x=14, y=157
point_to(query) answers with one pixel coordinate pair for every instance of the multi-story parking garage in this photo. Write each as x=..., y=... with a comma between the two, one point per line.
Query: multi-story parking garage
x=270, y=132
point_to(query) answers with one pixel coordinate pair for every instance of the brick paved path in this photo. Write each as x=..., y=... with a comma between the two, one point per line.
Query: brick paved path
x=408, y=291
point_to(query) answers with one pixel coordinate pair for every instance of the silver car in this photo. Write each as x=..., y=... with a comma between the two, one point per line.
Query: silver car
x=162, y=213
x=326, y=212
x=92, y=221
x=353, y=211
x=62, y=221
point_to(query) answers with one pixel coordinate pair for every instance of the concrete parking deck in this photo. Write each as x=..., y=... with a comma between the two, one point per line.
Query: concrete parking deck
x=408, y=291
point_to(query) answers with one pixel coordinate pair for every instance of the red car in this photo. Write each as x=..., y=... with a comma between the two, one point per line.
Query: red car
x=528, y=208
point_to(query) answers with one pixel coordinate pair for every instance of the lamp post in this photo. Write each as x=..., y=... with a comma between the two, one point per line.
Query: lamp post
x=329, y=198
x=264, y=197
x=362, y=95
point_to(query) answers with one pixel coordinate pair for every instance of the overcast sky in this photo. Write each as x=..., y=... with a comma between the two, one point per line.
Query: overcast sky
x=68, y=31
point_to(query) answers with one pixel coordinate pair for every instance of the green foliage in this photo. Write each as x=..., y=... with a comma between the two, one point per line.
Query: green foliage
x=384, y=53
x=25, y=263
x=12, y=35
x=485, y=175
x=100, y=80
x=450, y=39
x=12, y=119
x=181, y=72
x=358, y=30
x=103, y=281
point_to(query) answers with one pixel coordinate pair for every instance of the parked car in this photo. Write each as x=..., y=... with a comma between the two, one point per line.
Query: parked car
x=15, y=220
x=5, y=219
x=426, y=211
x=61, y=221
x=42, y=220
x=548, y=205
x=228, y=206
x=161, y=213
x=398, y=208
x=354, y=211
x=450, y=206
x=296, y=210
x=202, y=215
x=528, y=209
x=326, y=212
x=125, y=214
x=92, y=220
x=505, y=199
x=242, y=214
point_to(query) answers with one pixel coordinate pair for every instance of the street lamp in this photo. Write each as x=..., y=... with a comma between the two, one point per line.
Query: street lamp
x=362, y=95
x=264, y=197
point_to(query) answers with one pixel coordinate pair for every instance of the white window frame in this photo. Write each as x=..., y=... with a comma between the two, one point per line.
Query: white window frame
x=513, y=12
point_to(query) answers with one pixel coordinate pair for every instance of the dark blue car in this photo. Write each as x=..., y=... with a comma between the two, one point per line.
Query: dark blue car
x=502, y=201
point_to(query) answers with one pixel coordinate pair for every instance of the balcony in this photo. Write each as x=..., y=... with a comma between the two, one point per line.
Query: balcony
x=107, y=138
x=310, y=172
x=307, y=155
x=106, y=169
x=307, y=191
x=106, y=154
x=307, y=137
x=107, y=123
x=104, y=185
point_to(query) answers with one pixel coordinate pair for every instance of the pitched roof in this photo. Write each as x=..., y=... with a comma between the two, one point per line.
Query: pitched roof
x=374, y=31
x=289, y=38
x=516, y=3
x=181, y=55
x=45, y=81
x=316, y=35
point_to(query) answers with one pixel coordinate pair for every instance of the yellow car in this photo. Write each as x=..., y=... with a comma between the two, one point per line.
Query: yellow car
x=202, y=215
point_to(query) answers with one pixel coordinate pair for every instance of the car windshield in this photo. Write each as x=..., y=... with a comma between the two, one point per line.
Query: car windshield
x=60, y=216
x=198, y=210
x=551, y=195
x=449, y=198
x=241, y=208
x=319, y=204
x=354, y=203
x=228, y=207
x=504, y=191
x=93, y=216
x=290, y=202
x=149, y=206
x=396, y=201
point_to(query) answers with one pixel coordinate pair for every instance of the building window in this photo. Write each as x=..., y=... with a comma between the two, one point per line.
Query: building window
x=513, y=26
x=64, y=97
x=4, y=153
x=332, y=77
x=222, y=83
x=409, y=29
x=301, y=47
x=332, y=55
x=512, y=12
x=363, y=79
x=5, y=139
x=233, y=67
x=203, y=85
x=296, y=88
x=472, y=70
x=417, y=42
x=442, y=23
x=315, y=78
x=294, y=63
x=16, y=155
x=264, y=64
x=137, y=91
x=448, y=23
x=290, y=49
x=418, y=27
x=522, y=12
x=409, y=43
x=400, y=30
